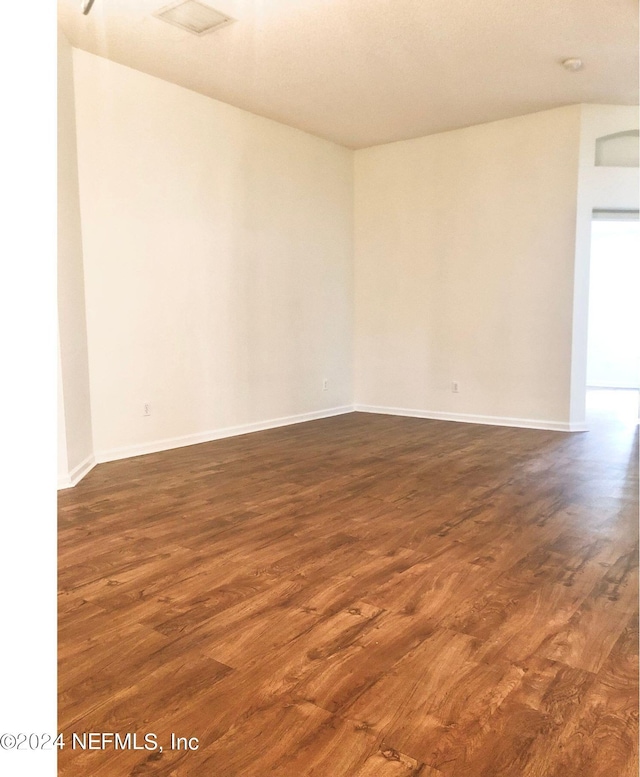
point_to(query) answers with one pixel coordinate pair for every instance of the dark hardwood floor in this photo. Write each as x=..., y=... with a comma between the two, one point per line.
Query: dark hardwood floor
x=361, y=596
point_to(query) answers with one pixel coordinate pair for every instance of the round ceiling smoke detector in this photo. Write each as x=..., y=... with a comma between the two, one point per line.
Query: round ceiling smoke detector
x=572, y=64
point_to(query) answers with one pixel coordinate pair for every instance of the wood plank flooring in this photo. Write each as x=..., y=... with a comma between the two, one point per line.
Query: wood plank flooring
x=361, y=596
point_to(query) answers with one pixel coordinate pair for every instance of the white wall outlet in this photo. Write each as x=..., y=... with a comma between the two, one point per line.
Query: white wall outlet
x=147, y=408
x=455, y=387
x=325, y=384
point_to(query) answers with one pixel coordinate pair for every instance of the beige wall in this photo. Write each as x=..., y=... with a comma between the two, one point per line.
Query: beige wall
x=218, y=263
x=74, y=410
x=464, y=246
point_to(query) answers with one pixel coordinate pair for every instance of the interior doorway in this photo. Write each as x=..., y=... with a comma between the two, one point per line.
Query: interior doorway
x=613, y=350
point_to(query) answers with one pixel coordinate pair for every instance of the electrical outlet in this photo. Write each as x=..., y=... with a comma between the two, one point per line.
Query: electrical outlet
x=325, y=385
x=455, y=387
x=147, y=408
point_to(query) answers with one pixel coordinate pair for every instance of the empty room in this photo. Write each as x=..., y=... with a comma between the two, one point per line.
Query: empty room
x=336, y=498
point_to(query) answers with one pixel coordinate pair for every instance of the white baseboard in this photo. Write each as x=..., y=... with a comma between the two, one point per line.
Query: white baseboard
x=490, y=420
x=113, y=454
x=77, y=473
x=64, y=482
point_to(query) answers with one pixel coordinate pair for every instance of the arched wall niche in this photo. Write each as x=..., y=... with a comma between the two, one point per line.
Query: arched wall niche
x=621, y=149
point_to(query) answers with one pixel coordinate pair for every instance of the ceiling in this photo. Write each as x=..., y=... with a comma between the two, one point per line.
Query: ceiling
x=364, y=72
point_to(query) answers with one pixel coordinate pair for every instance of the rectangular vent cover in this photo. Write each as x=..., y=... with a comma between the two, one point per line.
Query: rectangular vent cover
x=193, y=16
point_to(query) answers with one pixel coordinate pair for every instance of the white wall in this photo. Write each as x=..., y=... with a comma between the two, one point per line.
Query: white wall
x=63, y=463
x=602, y=188
x=74, y=403
x=464, y=271
x=219, y=266
x=614, y=313
x=218, y=262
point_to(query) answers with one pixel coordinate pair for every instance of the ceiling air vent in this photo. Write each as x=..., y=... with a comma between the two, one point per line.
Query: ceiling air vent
x=193, y=16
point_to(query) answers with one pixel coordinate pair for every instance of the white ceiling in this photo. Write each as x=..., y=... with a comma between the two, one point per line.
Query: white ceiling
x=363, y=72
